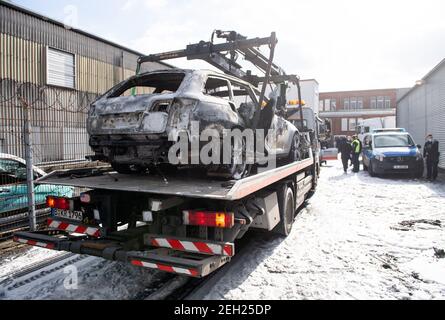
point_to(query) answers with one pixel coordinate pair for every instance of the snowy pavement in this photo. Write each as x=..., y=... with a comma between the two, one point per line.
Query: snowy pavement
x=360, y=238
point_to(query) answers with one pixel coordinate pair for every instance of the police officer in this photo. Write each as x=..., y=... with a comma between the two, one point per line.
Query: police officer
x=432, y=154
x=356, y=150
x=344, y=147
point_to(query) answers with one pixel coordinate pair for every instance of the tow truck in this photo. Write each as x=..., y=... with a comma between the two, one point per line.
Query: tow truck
x=179, y=222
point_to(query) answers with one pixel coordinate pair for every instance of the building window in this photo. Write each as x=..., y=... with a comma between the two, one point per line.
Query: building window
x=373, y=103
x=359, y=121
x=60, y=68
x=327, y=105
x=344, y=124
x=353, y=103
x=387, y=102
x=321, y=105
x=380, y=102
x=333, y=105
x=346, y=104
x=360, y=103
x=352, y=124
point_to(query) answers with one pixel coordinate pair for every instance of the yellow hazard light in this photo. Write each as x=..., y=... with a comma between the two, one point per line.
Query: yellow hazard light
x=296, y=103
x=220, y=220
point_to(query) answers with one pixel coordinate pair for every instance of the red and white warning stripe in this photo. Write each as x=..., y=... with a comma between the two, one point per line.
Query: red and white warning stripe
x=162, y=267
x=59, y=225
x=194, y=246
x=35, y=243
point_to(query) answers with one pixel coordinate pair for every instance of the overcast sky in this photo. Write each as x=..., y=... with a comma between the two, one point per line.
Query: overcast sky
x=345, y=45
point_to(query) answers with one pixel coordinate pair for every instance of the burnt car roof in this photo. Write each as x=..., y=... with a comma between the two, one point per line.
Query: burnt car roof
x=205, y=72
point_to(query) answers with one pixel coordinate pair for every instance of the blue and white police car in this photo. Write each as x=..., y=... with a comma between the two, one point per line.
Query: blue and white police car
x=392, y=152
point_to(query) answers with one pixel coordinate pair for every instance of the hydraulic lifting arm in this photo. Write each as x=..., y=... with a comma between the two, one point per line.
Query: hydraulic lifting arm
x=224, y=56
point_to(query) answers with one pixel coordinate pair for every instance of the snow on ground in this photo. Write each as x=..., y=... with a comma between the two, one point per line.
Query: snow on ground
x=13, y=263
x=359, y=238
x=96, y=278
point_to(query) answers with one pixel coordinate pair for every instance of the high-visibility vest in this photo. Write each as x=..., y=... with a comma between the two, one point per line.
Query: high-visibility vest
x=356, y=146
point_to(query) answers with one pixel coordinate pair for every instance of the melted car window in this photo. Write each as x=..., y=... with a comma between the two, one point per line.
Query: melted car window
x=217, y=88
x=161, y=83
x=241, y=96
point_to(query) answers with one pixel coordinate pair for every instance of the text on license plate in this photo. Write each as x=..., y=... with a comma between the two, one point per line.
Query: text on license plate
x=401, y=167
x=72, y=215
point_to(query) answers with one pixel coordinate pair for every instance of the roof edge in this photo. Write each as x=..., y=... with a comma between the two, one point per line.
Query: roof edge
x=60, y=24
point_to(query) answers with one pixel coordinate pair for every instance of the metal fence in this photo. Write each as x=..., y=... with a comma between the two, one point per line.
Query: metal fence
x=57, y=122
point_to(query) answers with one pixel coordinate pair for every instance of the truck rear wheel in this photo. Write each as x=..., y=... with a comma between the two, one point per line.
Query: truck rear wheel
x=286, y=205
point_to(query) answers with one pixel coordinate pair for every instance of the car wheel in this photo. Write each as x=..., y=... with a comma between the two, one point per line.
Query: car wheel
x=286, y=204
x=418, y=174
x=238, y=168
x=294, y=151
x=371, y=170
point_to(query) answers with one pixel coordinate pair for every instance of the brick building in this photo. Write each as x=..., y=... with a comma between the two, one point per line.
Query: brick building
x=345, y=109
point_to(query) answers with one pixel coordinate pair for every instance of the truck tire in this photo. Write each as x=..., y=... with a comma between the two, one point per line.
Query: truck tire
x=286, y=205
x=316, y=173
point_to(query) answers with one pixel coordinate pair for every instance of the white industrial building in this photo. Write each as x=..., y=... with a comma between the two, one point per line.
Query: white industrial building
x=422, y=109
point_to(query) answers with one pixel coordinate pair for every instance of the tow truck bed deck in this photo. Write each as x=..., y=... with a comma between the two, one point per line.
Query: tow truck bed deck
x=175, y=185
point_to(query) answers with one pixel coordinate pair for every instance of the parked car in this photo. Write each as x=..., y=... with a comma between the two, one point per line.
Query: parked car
x=392, y=152
x=129, y=125
x=14, y=190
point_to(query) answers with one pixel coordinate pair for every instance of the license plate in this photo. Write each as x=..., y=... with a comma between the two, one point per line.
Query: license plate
x=401, y=167
x=72, y=215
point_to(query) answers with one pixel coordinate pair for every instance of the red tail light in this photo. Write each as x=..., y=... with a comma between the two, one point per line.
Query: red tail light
x=208, y=219
x=58, y=203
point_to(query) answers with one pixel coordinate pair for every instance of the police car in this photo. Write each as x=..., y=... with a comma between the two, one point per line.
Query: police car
x=392, y=152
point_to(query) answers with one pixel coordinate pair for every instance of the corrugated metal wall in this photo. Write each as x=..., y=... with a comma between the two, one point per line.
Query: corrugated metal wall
x=58, y=114
x=422, y=111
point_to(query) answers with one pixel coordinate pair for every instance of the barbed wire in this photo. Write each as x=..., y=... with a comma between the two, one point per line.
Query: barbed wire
x=58, y=117
x=45, y=97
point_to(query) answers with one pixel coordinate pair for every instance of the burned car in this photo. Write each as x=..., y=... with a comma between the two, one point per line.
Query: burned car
x=132, y=125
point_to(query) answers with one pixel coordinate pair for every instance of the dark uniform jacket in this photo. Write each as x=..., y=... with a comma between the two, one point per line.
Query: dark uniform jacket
x=431, y=150
x=345, y=148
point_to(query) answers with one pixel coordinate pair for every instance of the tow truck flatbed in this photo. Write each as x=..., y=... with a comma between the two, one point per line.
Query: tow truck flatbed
x=175, y=185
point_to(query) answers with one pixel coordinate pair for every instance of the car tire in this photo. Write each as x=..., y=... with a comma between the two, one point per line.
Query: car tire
x=286, y=205
x=418, y=174
x=371, y=170
x=234, y=171
x=294, y=151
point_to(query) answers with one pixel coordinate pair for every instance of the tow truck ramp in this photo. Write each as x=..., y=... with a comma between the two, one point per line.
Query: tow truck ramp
x=176, y=185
